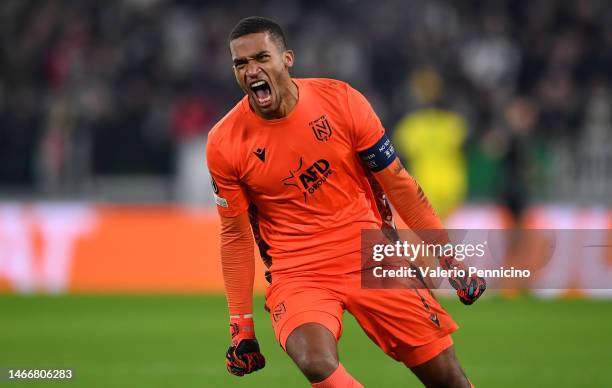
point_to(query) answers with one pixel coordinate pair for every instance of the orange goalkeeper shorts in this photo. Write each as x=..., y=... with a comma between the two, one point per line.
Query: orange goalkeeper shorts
x=407, y=324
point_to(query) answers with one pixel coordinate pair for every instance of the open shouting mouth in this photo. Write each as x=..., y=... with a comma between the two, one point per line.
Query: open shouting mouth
x=262, y=93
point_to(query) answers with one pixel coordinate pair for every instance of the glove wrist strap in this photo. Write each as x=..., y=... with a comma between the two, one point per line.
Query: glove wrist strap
x=241, y=327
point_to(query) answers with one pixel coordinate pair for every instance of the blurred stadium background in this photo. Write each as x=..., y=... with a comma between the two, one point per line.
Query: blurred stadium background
x=108, y=233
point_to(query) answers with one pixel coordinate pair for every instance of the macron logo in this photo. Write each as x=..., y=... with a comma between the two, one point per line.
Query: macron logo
x=261, y=154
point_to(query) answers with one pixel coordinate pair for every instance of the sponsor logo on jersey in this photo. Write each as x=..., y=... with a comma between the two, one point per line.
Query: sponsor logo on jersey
x=321, y=128
x=308, y=179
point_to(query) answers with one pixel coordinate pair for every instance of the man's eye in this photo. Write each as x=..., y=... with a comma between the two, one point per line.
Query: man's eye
x=263, y=57
x=239, y=65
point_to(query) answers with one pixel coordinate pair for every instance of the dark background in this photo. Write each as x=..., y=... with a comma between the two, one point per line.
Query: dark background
x=94, y=92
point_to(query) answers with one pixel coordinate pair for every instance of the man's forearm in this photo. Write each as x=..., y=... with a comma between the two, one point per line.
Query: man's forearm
x=412, y=205
x=407, y=198
x=414, y=209
x=237, y=260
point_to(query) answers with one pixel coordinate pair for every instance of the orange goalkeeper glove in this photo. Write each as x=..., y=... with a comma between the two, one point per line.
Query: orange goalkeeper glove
x=243, y=356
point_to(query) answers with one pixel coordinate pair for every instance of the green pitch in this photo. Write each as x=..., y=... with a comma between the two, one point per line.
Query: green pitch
x=180, y=341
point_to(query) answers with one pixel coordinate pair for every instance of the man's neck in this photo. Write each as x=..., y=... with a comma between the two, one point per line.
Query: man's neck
x=289, y=97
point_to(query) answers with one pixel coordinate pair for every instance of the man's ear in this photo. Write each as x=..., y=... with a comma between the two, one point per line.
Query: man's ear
x=288, y=58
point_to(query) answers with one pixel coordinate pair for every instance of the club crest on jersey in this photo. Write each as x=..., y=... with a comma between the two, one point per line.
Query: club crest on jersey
x=321, y=128
x=308, y=179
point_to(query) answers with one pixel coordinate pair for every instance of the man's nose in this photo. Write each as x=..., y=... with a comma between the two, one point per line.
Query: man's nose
x=252, y=69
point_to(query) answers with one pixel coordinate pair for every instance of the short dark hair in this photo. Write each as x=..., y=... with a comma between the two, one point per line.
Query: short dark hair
x=255, y=24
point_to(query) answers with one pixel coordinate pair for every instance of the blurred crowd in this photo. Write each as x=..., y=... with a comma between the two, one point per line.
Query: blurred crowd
x=97, y=89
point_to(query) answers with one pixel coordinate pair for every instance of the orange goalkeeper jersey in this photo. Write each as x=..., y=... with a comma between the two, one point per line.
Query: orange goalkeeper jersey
x=300, y=177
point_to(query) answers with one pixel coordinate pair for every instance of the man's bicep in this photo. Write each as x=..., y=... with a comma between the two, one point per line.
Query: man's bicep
x=229, y=194
x=366, y=126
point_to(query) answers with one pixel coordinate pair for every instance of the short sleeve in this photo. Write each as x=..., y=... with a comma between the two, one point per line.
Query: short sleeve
x=367, y=128
x=229, y=194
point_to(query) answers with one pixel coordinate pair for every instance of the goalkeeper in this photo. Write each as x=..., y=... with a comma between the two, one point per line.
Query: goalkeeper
x=301, y=166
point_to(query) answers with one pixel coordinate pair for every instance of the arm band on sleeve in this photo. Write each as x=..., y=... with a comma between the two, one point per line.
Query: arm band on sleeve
x=238, y=263
x=380, y=155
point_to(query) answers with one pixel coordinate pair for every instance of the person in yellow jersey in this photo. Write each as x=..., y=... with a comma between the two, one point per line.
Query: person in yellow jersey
x=431, y=140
